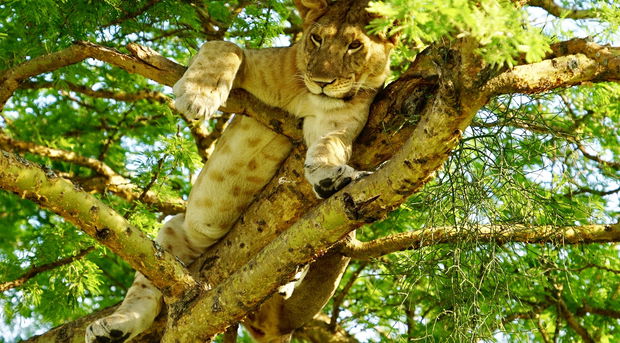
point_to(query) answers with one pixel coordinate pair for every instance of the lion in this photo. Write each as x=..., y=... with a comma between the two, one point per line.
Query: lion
x=329, y=78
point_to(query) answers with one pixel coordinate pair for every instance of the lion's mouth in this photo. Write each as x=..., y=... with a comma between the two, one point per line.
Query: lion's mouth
x=335, y=89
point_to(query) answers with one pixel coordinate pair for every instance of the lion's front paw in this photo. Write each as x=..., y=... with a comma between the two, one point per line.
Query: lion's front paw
x=199, y=100
x=329, y=180
x=116, y=328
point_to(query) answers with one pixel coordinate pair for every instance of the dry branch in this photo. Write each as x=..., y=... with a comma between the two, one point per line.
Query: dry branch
x=485, y=233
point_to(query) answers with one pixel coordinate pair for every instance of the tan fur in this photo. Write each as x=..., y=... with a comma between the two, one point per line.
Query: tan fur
x=329, y=78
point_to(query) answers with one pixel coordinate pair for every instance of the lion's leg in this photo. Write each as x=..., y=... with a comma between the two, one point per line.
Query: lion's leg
x=329, y=143
x=142, y=302
x=207, y=82
x=245, y=159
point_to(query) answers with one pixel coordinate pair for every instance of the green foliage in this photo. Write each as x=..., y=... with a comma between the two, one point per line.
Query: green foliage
x=519, y=163
x=501, y=29
x=515, y=165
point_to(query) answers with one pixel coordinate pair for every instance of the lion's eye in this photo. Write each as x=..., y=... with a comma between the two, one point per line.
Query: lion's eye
x=355, y=45
x=316, y=39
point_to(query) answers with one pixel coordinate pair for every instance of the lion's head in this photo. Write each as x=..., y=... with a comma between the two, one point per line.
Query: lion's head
x=336, y=56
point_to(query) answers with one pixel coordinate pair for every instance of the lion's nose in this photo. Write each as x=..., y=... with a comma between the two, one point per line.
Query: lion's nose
x=323, y=82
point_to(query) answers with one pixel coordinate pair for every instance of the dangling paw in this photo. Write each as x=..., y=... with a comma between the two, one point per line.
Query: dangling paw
x=199, y=100
x=329, y=180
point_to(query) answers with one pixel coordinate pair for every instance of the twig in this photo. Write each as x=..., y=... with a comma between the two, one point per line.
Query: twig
x=134, y=14
x=34, y=271
x=339, y=299
x=561, y=12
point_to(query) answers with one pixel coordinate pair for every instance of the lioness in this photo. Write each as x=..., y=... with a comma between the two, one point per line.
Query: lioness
x=329, y=78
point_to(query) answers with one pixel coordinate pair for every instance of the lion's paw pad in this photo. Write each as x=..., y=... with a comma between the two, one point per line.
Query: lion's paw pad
x=112, y=329
x=334, y=179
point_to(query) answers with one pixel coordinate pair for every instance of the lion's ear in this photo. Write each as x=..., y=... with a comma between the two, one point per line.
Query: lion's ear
x=311, y=10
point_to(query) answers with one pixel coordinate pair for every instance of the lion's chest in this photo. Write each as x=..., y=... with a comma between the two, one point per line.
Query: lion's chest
x=311, y=105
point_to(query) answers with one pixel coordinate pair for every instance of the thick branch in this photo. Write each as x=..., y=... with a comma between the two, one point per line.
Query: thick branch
x=74, y=331
x=561, y=12
x=96, y=219
x=563, y=71
x=36, y=270
x=487, y=233
x=148, y=63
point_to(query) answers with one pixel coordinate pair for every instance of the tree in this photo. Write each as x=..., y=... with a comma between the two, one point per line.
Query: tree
x=502, y=181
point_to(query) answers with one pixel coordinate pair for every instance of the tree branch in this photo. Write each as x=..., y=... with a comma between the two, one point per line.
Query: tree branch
x=36, y=270
x=606, y=164
x=572, y=322
x=571, y=63
x=318, y=331
x=110, y=180
x=561, y=12
x=96, y=219
x=488, y=233
x=204, y=139
x=596, y=310
x=150, y=64
x=339, y=299
x=116, y=95
x=75, y=331
x=445, y=108
x=365, y=201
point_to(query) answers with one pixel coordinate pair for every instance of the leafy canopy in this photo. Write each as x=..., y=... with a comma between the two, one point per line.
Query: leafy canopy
x=520, y=162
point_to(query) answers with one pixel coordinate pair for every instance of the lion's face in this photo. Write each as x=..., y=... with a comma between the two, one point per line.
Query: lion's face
x=337, y=58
